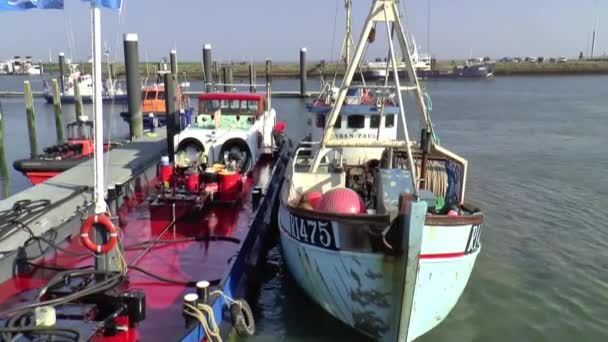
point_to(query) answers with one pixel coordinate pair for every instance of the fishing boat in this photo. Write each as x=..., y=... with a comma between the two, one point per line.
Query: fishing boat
x=59, y=158
x=383, y=242
x=162, y=256
x=111, y=93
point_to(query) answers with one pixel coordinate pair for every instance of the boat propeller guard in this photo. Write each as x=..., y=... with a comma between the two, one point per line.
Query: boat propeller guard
x=85, y=230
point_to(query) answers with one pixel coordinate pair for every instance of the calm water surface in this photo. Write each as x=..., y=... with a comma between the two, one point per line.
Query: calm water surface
x=538, y=161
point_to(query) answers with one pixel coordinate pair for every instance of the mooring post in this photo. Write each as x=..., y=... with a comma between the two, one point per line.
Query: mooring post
x=3, y=167
x=172, y=112
x=208, y=76
x=322, y=69
x=136, y=124
x=215, y=73
x=303, y=72
x=62, y=71
x=57, y=106
x=173, y=59
x=31, y=117
x=77, y=99
x=227, y=79
x=268, y=71
x=113, y=70
x=252, y=78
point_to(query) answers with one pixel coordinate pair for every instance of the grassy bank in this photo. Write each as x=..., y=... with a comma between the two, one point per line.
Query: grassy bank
x=292, y=70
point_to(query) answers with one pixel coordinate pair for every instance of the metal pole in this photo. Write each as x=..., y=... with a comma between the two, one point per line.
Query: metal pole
x=100, y=202
x=227, y=79
x=57, y=107
x=31, y=117
x=173, y=59
x=252, y=78
x=303, y=72
x=62, y=71
x=215, y=73
x=113, y=70
x=136, y=124
x=3, y=167
x=207, y=67
x=172, y=112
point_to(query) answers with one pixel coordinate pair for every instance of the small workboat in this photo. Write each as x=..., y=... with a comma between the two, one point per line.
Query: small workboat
x=374, y=228
x=61, y=157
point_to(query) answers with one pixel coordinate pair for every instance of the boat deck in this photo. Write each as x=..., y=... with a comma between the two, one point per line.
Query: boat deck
x=183, y=261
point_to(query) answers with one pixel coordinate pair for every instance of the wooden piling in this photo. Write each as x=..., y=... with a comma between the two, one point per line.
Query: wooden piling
x=62, y=70
x=136, y=123
x=173, y=60
x=215, y=74
x=268, y=71
x=172, y=112
x=77, y=100
x=31, y=118
x=303, y=76
x=57, y=107
x=227, y=79
x=208, y=62
x=252, y=78
x=322, y=69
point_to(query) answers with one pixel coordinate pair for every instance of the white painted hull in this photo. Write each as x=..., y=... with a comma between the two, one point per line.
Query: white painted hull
x=364, y=290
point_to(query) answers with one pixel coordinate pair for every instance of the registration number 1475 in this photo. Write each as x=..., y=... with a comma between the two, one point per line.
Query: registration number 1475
x=313, y=232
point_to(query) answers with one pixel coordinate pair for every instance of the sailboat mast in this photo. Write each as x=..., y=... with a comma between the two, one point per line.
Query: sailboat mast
x=100, y=203
x=593, y=36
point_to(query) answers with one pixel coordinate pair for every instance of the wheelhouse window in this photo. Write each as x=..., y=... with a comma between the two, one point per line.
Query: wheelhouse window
x=389, y=120
x=374, y=121
x=252, y=106
x=151, y=95
x=161, y=95
x=356, y=121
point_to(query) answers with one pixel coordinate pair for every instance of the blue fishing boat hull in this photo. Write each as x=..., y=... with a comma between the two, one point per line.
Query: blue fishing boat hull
x=117, y=99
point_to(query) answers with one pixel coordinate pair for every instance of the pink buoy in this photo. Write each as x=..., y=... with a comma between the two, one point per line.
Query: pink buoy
x=341, y=201
x=452, y=213
x=313, y=198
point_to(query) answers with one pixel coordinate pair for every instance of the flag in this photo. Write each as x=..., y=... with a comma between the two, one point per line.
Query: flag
x=22, y=5
x=113, y=4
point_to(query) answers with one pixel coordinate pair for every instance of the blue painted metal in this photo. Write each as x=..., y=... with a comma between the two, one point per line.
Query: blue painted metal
x=232, y=282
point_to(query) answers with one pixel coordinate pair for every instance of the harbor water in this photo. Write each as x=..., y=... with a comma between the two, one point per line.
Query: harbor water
x=538, y=160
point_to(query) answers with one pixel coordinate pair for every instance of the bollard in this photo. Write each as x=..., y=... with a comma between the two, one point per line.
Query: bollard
x=173, y=59
x=57, y=107
x=252, y=78
x=136, y=124
x=208, y=62
x=77, y=99
x=172, y=112
x=303, y=73
x=31, y=117
x=62, y=71
x=268, y=71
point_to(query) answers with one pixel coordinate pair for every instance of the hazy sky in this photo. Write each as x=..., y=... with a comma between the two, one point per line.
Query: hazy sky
x=244, y=29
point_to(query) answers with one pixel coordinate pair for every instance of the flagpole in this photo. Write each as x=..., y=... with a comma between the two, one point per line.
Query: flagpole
x=100, y=203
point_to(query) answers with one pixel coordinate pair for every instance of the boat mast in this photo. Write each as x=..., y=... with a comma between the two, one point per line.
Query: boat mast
x=99, y=182
x=382, y=11
x=348, y=36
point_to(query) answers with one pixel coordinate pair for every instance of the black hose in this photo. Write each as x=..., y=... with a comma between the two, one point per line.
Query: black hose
x=39, y=331
x=191, y=283
x=203, y=238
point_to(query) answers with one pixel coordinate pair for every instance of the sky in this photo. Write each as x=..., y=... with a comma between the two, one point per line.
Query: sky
x=258, y=29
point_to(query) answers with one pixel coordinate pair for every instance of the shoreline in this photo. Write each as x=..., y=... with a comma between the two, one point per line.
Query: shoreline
x=194, y=70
